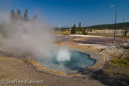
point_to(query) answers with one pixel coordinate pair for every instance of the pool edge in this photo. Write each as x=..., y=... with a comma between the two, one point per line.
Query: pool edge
x=92, y=68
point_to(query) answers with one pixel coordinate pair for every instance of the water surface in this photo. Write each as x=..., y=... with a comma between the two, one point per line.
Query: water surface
x=78, y=62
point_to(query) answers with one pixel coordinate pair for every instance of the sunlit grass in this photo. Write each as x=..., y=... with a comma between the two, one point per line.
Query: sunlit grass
x=120, y=63
x=121, y=67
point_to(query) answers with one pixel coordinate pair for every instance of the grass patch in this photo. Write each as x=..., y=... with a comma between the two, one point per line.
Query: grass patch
x=119, y=67
x=120, y=63
x=66, y=33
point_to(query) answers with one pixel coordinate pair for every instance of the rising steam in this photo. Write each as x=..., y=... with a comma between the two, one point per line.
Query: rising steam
x=30, y=38
x=26, y=37
x=63, y=55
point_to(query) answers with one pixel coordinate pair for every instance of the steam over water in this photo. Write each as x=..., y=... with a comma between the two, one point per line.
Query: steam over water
x=69, y=62
x=63, y=55
x=21, y=38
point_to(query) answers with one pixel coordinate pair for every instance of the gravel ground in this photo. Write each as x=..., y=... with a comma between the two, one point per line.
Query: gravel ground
x=18, y=72
x=12, y=69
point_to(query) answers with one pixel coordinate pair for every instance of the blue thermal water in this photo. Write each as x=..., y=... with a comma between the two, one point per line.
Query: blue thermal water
x=77, y=62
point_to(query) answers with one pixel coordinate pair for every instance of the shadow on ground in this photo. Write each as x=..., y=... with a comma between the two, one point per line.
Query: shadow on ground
x=108, y=80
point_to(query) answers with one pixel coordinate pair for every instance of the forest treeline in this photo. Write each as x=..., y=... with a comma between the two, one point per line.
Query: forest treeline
x=14, y=18
x=110, y=26
x=104, y=26
x=18, y=16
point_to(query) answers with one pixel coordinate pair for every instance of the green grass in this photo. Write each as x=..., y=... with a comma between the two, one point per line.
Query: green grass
x=120, y=63
x=119, y=67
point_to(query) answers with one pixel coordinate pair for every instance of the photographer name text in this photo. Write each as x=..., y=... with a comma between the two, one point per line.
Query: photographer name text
x=19, y=82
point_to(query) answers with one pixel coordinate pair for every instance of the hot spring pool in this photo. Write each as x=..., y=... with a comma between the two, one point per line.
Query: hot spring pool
x=77, y=62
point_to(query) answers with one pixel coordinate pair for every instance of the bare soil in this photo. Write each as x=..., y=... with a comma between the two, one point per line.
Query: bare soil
x=12, y=68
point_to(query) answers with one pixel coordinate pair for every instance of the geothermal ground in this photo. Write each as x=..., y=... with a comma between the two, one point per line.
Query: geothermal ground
x=16, y=69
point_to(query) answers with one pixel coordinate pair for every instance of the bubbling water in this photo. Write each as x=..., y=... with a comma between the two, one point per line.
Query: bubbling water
x=69, y=62
x=63, y=55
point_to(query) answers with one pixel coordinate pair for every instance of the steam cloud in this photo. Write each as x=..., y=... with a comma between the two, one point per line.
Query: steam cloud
x=26, y=37
x=30, y=38
x=63, y=55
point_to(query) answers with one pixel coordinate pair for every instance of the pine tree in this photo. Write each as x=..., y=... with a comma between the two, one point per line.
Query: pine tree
x=12, y=15
x=19, y=16
x=73, y=30
x=80, y=25
x=26, y=15
x=79, y=29
x=35, y=17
